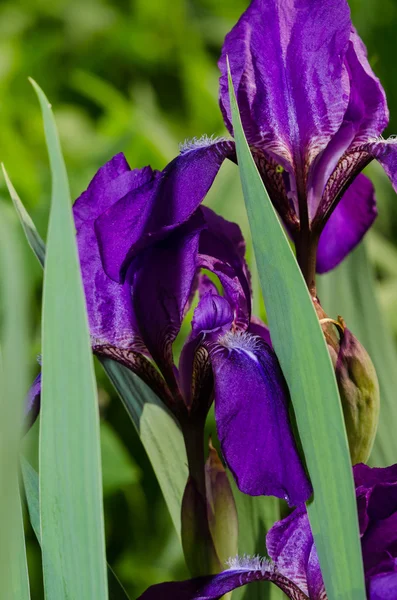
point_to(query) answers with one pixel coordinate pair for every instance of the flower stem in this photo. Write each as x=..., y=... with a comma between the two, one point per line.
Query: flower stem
x=306, y=255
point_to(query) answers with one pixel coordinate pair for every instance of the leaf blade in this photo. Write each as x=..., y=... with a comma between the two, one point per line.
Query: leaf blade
x=291, y=315
x=72, y=527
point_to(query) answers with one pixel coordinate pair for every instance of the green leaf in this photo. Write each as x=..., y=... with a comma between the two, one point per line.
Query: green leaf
x=159, y=433
x=300, y=346
x=118, y=468
x=72, y=528
x=31, y=486
x=13, y=384
x=34, y=239
x=349, y=291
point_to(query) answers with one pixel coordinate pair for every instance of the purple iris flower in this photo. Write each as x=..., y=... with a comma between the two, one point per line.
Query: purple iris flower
x=136, y=320
x=312, y=111
x=295, y=567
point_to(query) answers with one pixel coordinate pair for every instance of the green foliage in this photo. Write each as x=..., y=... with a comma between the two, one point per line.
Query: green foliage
x=138, y=77
x=299, y=342
x=13, y=379
x=71, y=511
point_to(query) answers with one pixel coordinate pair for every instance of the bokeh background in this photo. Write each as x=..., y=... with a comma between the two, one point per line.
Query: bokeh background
x=140, y=76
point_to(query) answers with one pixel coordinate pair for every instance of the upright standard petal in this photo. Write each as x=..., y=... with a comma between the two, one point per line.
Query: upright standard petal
x=150, y=213
x=347, y=225
x=162, y=278
x=252, y=419
x=287, y=65
x=109, y=306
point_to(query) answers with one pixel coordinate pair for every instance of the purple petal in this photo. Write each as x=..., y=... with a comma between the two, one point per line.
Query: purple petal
x=212, y=316
x=257, y=327
x=32, y=406
x=109, y=304
x=367, y=109
x=290, y=545
x=366, y=477
x=366, y=117
x=162, y=280
x=251, y=410
x=222, y=249
x=287, y=64
x=215, y=586
x=347, y=225
x=153, y=211
x=383, y=586
x=112, y=181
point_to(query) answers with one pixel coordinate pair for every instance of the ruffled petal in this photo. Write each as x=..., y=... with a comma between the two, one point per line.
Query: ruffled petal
x=112, y=181
x=215, y=586
x=251, y=411
x=287, y=65
x=290, y=545
x=154, y=210
x=347, y=225
x=366, y=117
x=109, y=304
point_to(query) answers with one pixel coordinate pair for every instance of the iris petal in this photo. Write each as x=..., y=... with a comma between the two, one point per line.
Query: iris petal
x=251, y=410
x=347, y=225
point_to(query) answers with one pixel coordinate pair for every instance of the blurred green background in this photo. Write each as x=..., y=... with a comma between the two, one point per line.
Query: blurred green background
x=140, y=76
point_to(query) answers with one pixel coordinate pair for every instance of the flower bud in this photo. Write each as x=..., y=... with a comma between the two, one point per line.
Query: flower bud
x=221, y=507
x=198, y=546
x=359, y=392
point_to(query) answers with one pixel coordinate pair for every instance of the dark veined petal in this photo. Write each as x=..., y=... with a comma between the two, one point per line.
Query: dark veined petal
x=290, y=545
x=215, y=586
x=109, y=304
x=287, y=64
x=251, y=411
x=347, y=225
x=154, y=210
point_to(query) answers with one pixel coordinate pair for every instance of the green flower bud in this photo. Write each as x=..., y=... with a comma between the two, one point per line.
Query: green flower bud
x=359, y=392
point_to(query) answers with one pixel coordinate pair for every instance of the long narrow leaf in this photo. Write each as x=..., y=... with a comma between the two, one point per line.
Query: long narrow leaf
x=13, y=379
x=72, y=528
x=31, y=487
x=34, y=239
x=159, y=432
x=301, y=349
x=349, y=291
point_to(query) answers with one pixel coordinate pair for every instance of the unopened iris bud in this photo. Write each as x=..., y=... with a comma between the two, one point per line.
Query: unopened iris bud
x=359, y=392
x=221, y=507
x=358, y=388
x=210, y=523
